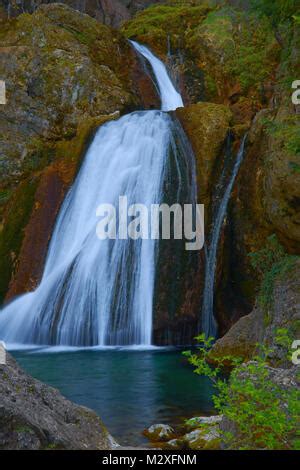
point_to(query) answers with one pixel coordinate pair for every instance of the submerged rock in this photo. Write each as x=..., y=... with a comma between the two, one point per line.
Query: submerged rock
x=159, y=433
x=36, y=416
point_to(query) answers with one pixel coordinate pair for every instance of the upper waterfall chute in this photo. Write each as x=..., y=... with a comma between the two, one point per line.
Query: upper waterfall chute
x=170, y=98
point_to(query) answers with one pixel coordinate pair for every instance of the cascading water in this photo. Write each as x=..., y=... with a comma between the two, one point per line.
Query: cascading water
x=209, y=326
x=170, y=98
x=101, y=292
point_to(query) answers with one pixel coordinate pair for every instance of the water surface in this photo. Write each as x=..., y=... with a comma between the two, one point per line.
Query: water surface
x=129, y=389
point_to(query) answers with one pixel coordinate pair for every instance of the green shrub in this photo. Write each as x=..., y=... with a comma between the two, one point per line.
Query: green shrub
x=262, y=414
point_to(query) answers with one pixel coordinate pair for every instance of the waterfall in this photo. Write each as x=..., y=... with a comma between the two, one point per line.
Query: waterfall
x=170, y=98
x=100, y=292
x=209, y=326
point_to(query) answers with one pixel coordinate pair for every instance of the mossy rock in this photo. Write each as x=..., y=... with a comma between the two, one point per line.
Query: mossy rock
x=12, y=230
x=206, y=125
x=61, y=69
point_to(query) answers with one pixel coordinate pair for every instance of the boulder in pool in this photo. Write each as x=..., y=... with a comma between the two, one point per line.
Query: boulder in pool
x=159, y=433
x=206, y=439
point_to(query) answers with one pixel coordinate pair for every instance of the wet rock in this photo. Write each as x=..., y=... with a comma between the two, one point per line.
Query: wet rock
x=203, y=439
x=36, y=416
x=197, y=421
x=175, y=444
x=159, y=433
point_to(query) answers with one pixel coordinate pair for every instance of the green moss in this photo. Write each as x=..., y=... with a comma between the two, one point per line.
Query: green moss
x=24, y=429
x=241, y=44
x=40, y=155
x=4, y=196
x=210, y=85
x=158, y=22
x=286, y=130
x=272, y=262
x=52, y=446
x=12, y=232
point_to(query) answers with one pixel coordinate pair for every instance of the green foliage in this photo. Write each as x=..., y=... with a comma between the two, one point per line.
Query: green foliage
x=4, y=196
x=163, y=20
x=262, y=414
x=270, y=262
x=255, y=54
x=286, y=130
x=246, y=44
x=284, y=338
x=277, y=11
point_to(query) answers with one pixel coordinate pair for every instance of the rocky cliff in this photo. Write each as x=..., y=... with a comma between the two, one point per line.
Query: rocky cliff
x=36, y=416
x=109, y=12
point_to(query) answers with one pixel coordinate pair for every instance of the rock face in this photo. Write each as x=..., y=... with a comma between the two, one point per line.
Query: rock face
x=36, y=416
x=267, y=197
x=206, y=125
x=50, y=89
x=201, y=439
x=109, y=12
x=65, y=75
x=261, y=327
x=204, y=432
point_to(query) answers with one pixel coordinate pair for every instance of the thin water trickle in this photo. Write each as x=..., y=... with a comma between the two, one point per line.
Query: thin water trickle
x=209, y=326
